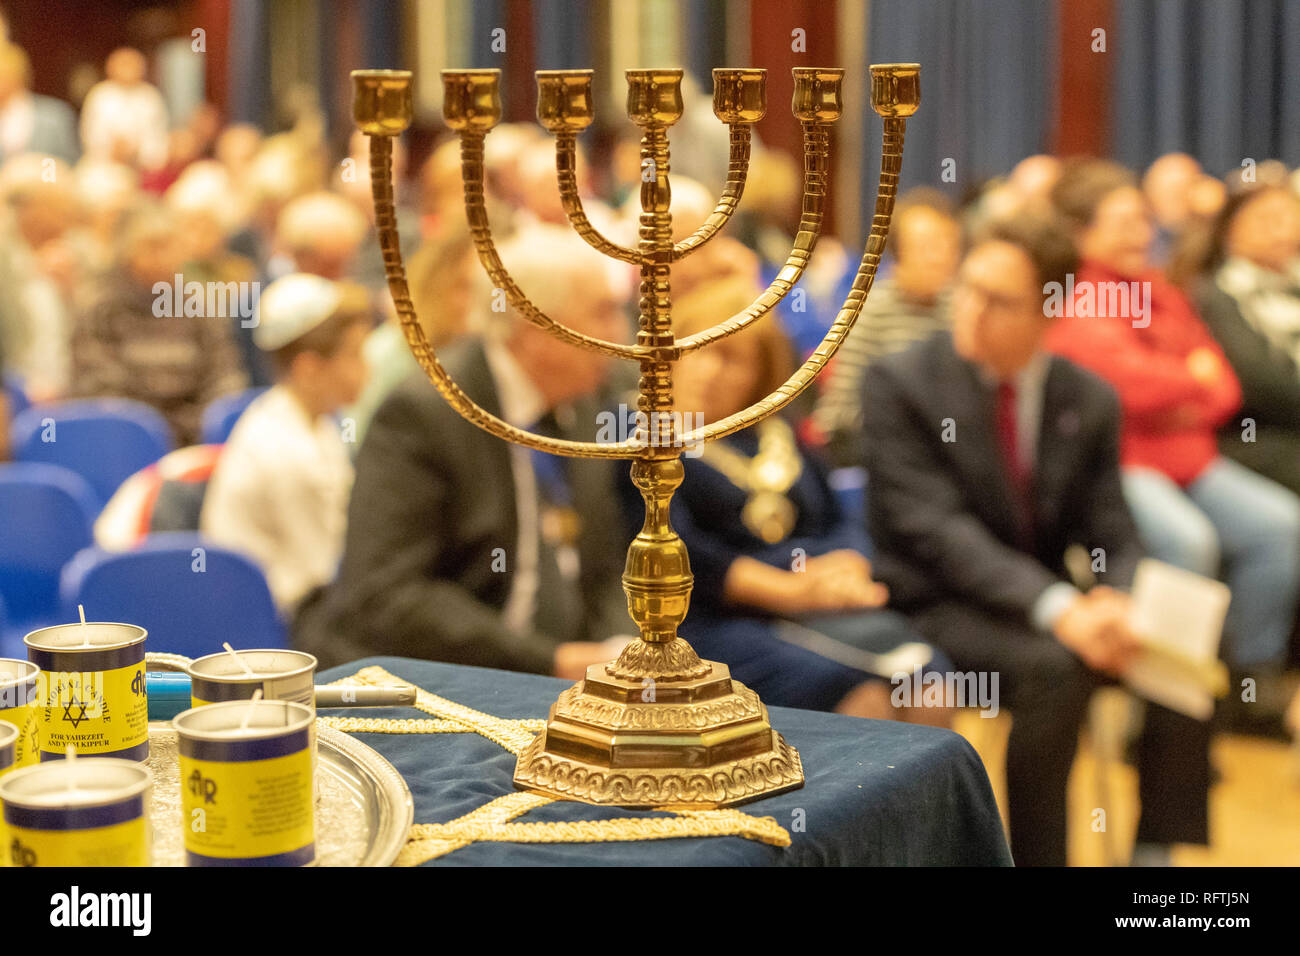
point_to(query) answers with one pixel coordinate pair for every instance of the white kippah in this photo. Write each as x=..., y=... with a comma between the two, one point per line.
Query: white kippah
x=291, y=307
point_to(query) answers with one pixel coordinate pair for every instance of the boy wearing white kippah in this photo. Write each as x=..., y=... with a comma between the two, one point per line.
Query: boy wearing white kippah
x=280, y=490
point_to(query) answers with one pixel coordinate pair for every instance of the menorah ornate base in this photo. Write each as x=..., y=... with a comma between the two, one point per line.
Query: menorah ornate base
x=701, y=742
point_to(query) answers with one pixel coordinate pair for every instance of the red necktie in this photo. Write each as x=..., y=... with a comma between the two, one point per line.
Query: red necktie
x=1009, y=443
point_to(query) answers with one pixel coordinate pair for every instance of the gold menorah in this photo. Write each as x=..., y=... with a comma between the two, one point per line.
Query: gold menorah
x=658, y=726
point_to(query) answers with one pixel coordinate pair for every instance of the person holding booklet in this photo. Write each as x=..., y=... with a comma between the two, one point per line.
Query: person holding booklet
x=989, y=461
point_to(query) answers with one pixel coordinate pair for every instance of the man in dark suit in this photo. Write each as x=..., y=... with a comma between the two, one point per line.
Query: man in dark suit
x=989, y=461
x=463, y=548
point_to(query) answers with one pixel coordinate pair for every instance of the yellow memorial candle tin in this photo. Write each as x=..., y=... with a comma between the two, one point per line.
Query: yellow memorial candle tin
x=247, y=794
x=77, y=813
x=19, y=694
x=93, y=695
x=9, y=735
x=279, y=674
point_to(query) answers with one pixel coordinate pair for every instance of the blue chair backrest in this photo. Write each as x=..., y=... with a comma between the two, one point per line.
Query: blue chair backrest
x=105, y=441
x=189, y=594
x=18, y=400
x=45, y=518
x=221, y=414
x=850, y=487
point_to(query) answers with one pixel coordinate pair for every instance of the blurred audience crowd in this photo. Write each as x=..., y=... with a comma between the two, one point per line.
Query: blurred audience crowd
x=175, y=261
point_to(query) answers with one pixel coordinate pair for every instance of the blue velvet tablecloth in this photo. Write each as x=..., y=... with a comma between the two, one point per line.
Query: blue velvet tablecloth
x=877, y=792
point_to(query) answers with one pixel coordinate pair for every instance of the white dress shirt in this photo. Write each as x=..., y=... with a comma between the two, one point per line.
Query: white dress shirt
x=521, y=405
x=279, y=494
x=137, y=114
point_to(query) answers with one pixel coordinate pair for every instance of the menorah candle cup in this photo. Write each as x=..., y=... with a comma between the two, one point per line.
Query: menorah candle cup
x=817, y=94
x=654, y=97
x=19, y=694
x=382, y=103
x=92, y=694
x=564, y=100
x=895, y=88
x=740, y=96
x=246, y=783
x=471, y=99
x=77, y=813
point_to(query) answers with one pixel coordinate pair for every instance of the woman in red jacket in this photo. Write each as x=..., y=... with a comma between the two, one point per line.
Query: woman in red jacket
x=1129, y=325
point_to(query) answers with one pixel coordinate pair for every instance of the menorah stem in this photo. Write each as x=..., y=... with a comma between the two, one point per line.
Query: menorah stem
x=657, y=580
x=655, y=329
x=657, y=577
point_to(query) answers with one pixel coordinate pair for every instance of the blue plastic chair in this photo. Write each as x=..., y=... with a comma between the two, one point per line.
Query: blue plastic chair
x=18, y=400
x=105, y=441
x=189, y=594
x=850, y=488
x=221, y=414
x=46, y=514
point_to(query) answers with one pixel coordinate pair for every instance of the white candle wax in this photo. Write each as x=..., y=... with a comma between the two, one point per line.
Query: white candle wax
x=82, y=796
x=75, y=783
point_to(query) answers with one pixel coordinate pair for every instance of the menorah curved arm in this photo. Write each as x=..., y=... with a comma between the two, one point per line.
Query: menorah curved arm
x=816, y=144
x=737, y=170
x=381, y=151
x=566, y=152
x=471, y=159
x=890, y=163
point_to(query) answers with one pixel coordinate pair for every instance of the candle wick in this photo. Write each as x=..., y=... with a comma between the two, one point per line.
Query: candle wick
x=85, y=635
x=248, y=714
x=242, y=663
x=72, y=763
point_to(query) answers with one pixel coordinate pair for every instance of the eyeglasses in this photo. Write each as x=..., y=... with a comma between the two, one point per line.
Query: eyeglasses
x=992, y=301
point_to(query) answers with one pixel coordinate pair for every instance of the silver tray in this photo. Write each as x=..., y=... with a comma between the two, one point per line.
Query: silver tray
x=364, y=809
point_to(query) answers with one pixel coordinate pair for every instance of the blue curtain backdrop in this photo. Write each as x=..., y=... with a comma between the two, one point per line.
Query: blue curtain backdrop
x=381, y=34
x=706, y=39
x=563, y=31
x=486, y=16
x=249, y=64
x=1219, y=79
x=987, y=93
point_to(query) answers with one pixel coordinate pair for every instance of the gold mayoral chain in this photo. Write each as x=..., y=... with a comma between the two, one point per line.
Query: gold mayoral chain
x=766, y=478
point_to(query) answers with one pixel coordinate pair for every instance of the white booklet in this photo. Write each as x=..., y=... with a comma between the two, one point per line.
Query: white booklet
x=1179, y=616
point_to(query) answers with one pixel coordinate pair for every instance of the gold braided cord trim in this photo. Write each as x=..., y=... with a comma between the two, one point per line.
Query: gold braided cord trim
x=427, y=841
x=491, y=822
x=506, y=733
x=702, y=823
x=383, y=725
